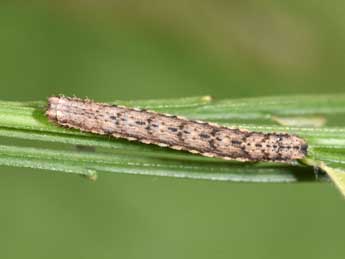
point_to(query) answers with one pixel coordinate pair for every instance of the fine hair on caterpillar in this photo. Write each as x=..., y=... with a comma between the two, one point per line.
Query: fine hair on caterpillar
x=149, y=127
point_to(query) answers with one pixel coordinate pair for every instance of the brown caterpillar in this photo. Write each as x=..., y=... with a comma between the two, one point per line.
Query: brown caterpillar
x=204, y=138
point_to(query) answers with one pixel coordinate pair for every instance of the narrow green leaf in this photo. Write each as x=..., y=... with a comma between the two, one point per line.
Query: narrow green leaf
x=88, y=163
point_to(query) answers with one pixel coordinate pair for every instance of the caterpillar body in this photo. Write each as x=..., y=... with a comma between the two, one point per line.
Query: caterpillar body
x=204, y=138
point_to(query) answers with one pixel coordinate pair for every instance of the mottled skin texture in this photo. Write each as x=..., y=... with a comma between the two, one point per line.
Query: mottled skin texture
x=179, y=133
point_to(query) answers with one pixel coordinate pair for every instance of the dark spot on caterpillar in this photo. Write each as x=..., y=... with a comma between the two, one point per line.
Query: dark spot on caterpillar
x=211, y=143
x=304, y=148
x=140, y=122
x=172, y=129
x=214, y=132
x=181, y=126
x=180, y=136
x=203, y=135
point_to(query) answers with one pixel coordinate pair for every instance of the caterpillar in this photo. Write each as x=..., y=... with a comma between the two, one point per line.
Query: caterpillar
x=165, y=130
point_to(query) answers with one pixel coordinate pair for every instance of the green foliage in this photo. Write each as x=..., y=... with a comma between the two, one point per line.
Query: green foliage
x=37, y=143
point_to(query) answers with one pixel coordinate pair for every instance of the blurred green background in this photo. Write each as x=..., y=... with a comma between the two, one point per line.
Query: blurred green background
x=157, y=49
